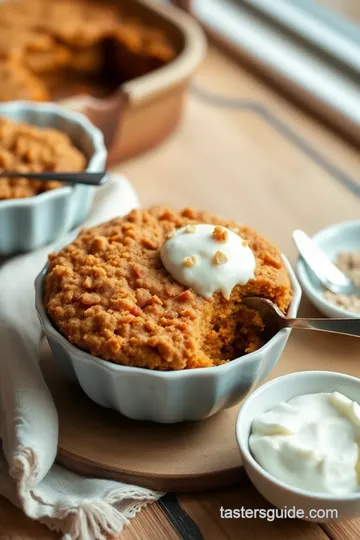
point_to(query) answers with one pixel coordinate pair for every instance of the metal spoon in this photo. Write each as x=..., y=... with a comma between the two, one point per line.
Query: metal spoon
x=274, y=320
x=330, y=276
x=86, y=178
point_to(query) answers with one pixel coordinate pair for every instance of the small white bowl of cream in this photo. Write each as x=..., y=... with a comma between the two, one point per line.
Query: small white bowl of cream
x=299, y=437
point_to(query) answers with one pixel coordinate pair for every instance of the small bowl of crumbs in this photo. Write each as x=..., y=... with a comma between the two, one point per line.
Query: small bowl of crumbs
x=341, y=243
x=41, y=137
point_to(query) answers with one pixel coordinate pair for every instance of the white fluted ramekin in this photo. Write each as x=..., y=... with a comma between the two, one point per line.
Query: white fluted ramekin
x=165, y=396
x=31, y=222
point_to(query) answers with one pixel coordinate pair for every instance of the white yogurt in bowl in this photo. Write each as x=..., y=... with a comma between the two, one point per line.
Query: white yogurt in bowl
x=310, y=442
x=298, y=437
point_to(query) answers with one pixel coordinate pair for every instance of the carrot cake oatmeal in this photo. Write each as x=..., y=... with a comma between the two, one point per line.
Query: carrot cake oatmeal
x=18, y=83
x=27, y=148
x=77, y=41
x=112, y=292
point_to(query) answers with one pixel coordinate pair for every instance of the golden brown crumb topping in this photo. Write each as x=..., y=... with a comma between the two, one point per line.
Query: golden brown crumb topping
x=109, y=294
x=27, y=148
x=17, y=82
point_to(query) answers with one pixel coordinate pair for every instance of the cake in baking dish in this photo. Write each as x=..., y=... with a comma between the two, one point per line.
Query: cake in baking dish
x=47, y=45
x=110, y=294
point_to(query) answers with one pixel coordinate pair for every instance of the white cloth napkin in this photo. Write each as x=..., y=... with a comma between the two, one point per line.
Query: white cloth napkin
x=79, y=508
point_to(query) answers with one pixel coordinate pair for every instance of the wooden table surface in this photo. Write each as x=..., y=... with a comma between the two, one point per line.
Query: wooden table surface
x=243, y=152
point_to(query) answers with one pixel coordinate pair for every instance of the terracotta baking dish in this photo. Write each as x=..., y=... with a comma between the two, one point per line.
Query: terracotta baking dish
x=143, y=111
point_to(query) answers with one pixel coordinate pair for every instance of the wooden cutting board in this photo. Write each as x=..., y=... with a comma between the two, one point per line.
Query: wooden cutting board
x=99, y=442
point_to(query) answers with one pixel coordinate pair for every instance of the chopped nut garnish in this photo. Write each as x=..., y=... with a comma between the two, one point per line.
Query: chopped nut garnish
x=87, y=283
x=156, y=300
x=90, y=299
x=185, y=296
x=100, y=243
x=170, y=234
x=245, y=243
x=139, y=270
x=190, y=229
x=189, y=213
x=127, y=240
x=190, y=313
x=190, y=261
x=150, y=326
x=167, y=215
x=114, y=344
x=220, y=258
x=219, y=234
x=148, y=243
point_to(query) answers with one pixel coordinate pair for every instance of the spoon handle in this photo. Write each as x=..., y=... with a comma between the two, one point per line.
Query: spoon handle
x=86, y=178
x=349, y=327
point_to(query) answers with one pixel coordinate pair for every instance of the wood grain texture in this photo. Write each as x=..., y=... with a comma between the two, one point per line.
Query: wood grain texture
x=226, y=158
x=151, y=524
x=15, y=526
x=349, y=530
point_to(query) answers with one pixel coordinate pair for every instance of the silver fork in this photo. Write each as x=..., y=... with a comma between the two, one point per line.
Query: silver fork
x=275, y=320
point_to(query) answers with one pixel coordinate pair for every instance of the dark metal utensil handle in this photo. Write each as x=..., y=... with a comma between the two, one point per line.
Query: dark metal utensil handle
x=86, y=178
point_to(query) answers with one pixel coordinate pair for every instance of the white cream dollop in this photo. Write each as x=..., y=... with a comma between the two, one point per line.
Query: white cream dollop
x=195, y=258
x=310, y=442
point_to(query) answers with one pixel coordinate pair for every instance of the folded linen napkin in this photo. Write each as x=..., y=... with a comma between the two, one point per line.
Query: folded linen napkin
x=79, y=508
